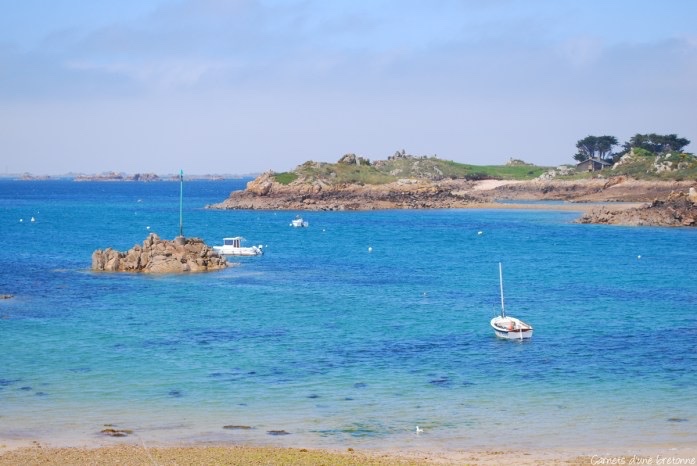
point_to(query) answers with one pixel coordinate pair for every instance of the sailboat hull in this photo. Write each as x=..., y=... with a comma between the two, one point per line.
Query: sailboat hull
x=510, y=328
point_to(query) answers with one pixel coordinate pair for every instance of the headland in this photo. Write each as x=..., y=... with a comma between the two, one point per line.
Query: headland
x=408, y=182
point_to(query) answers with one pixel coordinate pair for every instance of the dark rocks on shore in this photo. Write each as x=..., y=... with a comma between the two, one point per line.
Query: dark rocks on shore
x=159, y=256
x=678, y=209
x=111, y=432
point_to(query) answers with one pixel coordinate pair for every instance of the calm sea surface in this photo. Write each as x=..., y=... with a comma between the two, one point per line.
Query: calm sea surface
x=337, y=344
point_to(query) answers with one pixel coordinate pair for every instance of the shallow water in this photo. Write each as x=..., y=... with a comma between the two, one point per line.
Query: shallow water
x=335, y=343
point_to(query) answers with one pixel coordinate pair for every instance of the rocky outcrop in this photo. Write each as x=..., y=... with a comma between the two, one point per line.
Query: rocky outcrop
x=678, y=209
x=612, y=189
x=671, y=202
x=353, y=159
x=265, y=193
x=159, y=256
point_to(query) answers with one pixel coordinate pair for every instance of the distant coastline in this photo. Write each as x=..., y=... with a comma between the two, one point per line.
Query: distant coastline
x=124, y=177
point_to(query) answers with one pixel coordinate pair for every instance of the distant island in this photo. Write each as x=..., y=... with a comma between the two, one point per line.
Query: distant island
x=404, y=181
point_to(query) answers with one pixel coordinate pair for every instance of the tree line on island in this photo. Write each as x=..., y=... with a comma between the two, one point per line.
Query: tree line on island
x=601, y=147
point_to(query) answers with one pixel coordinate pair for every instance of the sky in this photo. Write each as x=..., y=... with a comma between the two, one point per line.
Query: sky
x=245, y=86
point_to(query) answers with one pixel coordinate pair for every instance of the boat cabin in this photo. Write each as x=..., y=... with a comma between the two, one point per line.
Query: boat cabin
x=233, y=242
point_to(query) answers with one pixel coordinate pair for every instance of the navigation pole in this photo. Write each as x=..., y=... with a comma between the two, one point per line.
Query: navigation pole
x=180, y=239
x=181, y=202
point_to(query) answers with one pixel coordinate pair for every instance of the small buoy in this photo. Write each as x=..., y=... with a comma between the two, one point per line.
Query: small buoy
x=32, y=219
x=638, y=257
x=21, y=220
x=480, y=232
x=147, y=227
x=370, y=249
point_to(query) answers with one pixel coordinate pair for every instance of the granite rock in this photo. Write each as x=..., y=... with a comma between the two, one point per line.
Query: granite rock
x=160, y=256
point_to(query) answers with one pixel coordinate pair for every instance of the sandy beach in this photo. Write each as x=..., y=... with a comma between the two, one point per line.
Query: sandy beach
x=134, y=454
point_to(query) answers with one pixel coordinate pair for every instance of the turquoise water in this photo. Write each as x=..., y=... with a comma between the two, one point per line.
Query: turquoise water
x=335, y=343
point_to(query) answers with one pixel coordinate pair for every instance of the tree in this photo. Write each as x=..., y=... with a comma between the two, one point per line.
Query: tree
x=657, y=143
x=592, y=147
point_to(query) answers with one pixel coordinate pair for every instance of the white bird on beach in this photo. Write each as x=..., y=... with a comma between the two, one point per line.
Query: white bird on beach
x=418, y=430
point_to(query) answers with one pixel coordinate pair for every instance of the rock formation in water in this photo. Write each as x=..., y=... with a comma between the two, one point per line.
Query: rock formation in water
x=160, y=256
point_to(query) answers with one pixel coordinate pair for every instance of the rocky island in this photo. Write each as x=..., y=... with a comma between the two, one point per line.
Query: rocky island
x=157, y=256
x=417, y=182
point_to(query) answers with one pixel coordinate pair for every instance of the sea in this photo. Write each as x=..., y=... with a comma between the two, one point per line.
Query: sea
x=348, y=333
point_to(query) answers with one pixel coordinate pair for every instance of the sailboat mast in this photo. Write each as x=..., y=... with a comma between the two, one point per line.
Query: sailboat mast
x=503, y=309
x=181, y=199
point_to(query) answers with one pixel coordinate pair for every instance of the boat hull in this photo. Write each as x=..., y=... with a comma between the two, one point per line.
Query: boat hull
x=231, y=251
x=510, y=328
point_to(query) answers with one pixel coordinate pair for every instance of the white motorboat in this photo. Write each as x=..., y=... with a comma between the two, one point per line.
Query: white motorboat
x=298, y=222
x=507, y=327
x=233, y=247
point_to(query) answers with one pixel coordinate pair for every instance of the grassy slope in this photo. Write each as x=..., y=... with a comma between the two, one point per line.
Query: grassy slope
x=642, y=167
x=386, y=171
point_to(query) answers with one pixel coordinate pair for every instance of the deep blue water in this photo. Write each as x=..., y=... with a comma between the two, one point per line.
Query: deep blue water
x=336, y=343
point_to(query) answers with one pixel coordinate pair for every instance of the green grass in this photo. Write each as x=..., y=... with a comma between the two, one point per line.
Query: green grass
x=285, y=177
x=336, y=173
x=435, y=168
x=502, y=172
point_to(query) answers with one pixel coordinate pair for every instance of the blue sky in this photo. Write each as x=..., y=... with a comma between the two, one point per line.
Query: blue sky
x=242, y=86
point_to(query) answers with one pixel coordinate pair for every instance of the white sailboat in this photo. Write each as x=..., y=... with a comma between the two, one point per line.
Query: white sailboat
x=508, y=327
